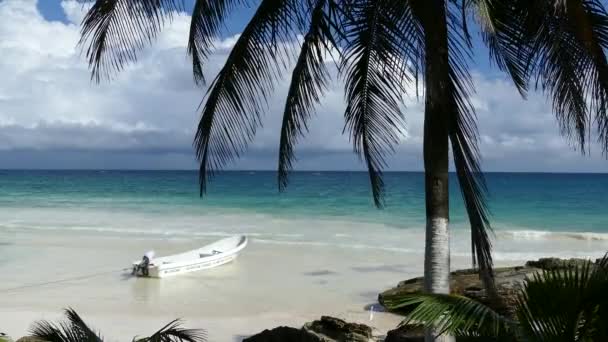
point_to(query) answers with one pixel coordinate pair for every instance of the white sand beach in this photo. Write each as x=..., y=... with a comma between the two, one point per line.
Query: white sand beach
x=332, y=268
x=268, y=286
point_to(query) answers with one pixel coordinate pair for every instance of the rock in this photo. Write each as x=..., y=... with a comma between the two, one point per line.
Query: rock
x=326, y=329
x=334, y=329
x=282, y=334
x=406, y=333
x=557, y=263
x=467, y=283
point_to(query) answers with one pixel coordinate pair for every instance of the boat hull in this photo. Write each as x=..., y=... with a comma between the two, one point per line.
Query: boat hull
x=210, y=256
x=164, y=272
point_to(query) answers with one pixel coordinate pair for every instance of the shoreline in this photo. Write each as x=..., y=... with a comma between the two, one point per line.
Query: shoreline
x=118, y=327
x=270, y=284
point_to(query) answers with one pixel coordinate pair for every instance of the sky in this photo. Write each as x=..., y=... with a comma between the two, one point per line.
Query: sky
x=53, y=117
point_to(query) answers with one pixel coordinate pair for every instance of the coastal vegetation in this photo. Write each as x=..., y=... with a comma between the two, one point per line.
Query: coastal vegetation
x=74, y=329
x=564, y=303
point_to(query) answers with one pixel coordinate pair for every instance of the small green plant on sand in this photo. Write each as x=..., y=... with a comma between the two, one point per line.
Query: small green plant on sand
x=5, y=338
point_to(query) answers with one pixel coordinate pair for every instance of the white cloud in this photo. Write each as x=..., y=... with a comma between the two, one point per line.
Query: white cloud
x=74, y=11
x=48, y=104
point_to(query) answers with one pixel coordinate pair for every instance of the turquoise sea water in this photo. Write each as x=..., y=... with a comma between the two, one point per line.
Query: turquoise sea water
x=518, y=201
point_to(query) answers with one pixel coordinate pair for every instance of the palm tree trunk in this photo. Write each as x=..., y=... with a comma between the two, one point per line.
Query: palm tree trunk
x=436, y=149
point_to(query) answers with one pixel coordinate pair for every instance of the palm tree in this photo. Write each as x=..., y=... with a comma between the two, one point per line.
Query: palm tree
x=557, y=305
x=74, y=329
x=381, y=48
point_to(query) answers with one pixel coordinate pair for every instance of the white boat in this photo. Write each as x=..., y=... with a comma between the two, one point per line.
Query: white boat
x=218, y=253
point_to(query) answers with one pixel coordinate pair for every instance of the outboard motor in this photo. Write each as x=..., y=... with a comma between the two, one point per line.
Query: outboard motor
x=142, y=267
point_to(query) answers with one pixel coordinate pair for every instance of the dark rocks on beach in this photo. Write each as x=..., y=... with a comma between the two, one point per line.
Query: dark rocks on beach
x=463, y=282
x=557, y=263
x=335, y=329
x=467, y=283
x=327, y=329
x=281, y=334
x=406, y=333
x=508, y=281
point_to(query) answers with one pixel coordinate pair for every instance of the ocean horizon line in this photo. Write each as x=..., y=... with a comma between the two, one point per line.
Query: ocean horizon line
x=294, y=171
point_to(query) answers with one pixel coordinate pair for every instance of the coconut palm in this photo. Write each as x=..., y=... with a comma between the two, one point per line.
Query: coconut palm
x=556, y=305
x=74, y=329
x=382, y=49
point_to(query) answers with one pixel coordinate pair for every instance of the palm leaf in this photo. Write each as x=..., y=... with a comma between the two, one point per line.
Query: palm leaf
x=563, y=317
x=463, y=137
x=595, y=302
x=590, y=27
x=566, y=42
x=47, y=331
x=598, y=292
x=173, y=332
x=556, y=305
x=115, y=30
x=502, y=32
x=454, y=315
x=561, y=45
x=72, y=330
x=232, y=111
x=308, y=81
x=205, y=26
x=558, y=70
x=85, y=333
x=374, y=84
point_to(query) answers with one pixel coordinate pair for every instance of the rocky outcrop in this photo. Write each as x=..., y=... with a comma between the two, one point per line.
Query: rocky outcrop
x=406, y=333
x=467, y=283
x=335, y=329
x=557, y=263
x=508, y=281
x=326, y=329
x=281, y=334
x=463, y=282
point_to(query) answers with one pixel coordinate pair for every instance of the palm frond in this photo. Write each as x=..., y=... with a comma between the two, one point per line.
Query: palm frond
x=561, y=45
x=232, y=111
x=308, y=81
x=85, y=333
x=463, y=137
x=47, y=331
x=501, y=29
x=206, y=23
x=72, y=330
x=564, y=316
x=597, y=300
x=114, y=31
x=566, y=42
x=454, y=315
x=558, y=70
x=173, y=332
x=372, y=69
x=590, y=26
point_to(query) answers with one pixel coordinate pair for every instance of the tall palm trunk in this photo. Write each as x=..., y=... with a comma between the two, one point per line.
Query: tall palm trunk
x=436, y=149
